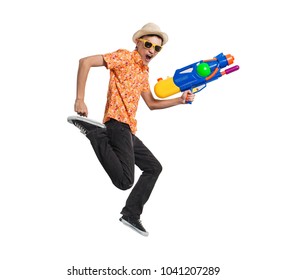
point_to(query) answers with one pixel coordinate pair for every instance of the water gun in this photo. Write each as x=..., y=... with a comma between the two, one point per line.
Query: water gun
x=195, y=76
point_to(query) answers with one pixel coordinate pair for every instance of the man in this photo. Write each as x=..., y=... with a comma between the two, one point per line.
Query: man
x=114, y=142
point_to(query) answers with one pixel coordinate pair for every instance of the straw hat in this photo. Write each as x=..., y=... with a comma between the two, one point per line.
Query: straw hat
x=148, y=29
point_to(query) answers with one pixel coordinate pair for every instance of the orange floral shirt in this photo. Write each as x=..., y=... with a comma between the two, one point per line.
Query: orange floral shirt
x=129, y=77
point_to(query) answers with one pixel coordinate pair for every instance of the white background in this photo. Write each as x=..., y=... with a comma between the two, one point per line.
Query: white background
x=219, y=200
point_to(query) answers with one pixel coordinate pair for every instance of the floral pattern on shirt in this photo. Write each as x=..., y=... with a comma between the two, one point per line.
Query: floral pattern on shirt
x=129, y=77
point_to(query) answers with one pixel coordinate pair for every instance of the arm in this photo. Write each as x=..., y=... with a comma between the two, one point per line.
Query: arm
x=83, y=69
x=155, y=104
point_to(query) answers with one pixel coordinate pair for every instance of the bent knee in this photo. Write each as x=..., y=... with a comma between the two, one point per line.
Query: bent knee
x=124, y=185
x=157, y=168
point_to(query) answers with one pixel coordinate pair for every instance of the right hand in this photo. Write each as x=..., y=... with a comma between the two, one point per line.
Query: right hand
x=80, y=108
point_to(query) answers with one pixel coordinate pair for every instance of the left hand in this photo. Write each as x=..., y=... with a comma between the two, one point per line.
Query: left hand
x=187, y=96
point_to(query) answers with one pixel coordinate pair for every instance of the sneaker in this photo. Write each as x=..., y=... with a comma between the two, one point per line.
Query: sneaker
x=85, y=125
x=135, y=224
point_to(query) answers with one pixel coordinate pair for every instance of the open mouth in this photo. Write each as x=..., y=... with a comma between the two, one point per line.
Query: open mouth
x=148, y=57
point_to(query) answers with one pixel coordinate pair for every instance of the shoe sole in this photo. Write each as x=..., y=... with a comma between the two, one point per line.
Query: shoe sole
x=134, y=228
x=84, y=119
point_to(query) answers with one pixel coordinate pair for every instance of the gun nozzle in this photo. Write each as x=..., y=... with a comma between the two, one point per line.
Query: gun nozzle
x=230, y=59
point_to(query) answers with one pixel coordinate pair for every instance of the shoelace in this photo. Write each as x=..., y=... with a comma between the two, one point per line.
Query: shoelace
x=81, y=128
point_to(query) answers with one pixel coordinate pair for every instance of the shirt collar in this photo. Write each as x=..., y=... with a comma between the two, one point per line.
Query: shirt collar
x=137, y=58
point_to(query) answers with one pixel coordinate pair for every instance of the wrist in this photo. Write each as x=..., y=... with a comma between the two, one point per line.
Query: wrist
x=181, y=100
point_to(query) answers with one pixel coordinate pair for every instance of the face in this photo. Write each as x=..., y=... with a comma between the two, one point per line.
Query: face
x=147, y=54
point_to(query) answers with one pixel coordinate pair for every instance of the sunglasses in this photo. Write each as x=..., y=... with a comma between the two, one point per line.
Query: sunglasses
x=149, y=45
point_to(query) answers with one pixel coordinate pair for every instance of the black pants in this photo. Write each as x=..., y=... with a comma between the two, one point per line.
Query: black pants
x=118, y=150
